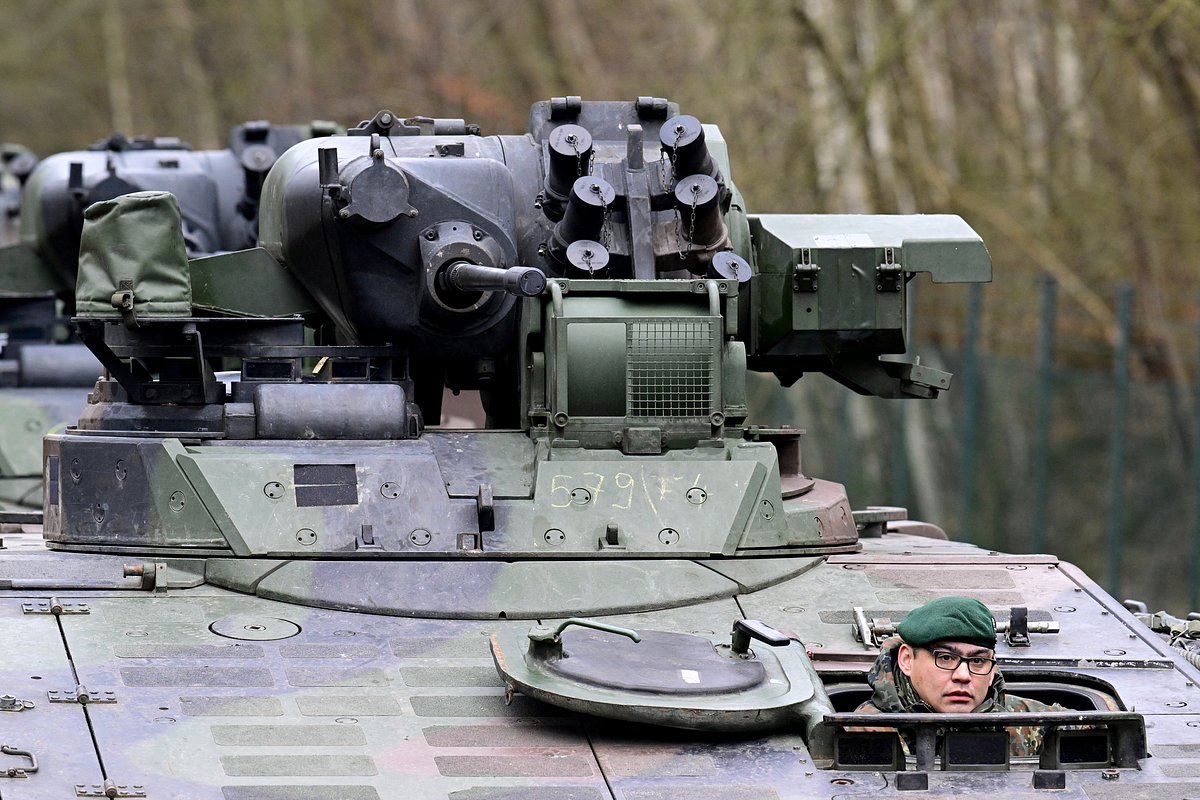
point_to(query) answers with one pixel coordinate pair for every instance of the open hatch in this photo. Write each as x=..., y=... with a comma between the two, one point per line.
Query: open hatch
x=688, y=681
x=664, y=678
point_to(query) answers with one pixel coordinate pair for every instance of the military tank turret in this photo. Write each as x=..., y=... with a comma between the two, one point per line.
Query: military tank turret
x=291, y=584
x=44, y=372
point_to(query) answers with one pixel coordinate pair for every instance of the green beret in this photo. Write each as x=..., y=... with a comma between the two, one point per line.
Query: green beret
x=953, y=619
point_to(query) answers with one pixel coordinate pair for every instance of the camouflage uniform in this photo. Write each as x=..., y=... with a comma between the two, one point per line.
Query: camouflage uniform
x=895, y=693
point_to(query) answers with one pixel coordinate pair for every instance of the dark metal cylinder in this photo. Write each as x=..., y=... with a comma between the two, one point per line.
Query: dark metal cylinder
x=521, y=281
x=696, y=199
x=58, y=365
x=585, y=215
x=587, y=258
x=730, y=266
x=682, y=139
x=570, y=149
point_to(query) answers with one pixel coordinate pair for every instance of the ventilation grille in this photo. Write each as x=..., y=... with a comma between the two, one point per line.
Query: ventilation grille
x=670, y=368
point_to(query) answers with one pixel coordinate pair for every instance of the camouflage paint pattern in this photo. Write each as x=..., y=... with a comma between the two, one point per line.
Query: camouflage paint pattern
x=26, y=415
x=312, y=702
x=307, y=618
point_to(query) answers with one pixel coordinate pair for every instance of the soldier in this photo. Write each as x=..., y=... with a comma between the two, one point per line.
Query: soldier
x=943, y=660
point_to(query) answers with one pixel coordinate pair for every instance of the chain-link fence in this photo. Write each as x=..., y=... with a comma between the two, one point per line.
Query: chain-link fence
x=1044, y=443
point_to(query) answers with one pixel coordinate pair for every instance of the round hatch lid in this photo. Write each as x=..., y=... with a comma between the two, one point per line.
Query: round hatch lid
x=254, y=628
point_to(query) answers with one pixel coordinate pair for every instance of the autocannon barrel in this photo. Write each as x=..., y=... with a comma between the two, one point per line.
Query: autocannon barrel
x=521, y=281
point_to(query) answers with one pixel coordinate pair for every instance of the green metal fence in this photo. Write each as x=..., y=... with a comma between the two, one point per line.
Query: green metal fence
x=1047, y=442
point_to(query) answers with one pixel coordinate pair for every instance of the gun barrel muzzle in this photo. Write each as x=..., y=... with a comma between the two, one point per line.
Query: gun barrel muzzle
x=521, y=281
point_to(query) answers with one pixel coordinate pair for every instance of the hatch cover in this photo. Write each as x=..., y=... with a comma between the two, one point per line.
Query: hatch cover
x=662, y=662
x=665, y=678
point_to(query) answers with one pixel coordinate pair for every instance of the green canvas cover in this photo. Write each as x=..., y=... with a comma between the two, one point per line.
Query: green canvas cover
x=134, y=243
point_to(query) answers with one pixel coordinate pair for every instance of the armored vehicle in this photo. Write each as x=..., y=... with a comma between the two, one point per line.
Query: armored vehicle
x=290, y=585
x=44, y=372
x=16, y=162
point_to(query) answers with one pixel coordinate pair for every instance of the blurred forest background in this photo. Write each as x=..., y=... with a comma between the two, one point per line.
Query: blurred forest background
x=1067, y=132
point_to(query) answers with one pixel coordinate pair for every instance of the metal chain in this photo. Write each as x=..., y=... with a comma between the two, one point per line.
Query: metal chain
x=692, y=220
x=573, y=140
x=605, y=234
x=672, y=151
x=691, y=225
x=679, y=234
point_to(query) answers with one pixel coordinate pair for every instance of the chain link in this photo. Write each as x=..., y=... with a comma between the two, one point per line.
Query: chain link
x=674, y=150
x=573, y=140
x=605, y=234
x=692, y=220
x=670, y=187
x=684, y=248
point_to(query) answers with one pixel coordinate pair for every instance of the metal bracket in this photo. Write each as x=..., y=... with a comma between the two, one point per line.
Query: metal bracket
x=153, y=579
x=10, y=703
x=366, y=539
x=872, y=521
x=889, y=276
x=122, y=301
x=872, y=632
x=109, y=789
x=805, y=274
x=18, y=772
x=82, y=695
x=1017, y=634
x=611, y=540
x=54, y=606
x=1069, y=735
x=485, y=508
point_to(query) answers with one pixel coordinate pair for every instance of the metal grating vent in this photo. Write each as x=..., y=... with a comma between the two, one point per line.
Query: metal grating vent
x=670, y=367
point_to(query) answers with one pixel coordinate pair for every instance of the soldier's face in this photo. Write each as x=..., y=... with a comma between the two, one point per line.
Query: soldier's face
x=945, y=691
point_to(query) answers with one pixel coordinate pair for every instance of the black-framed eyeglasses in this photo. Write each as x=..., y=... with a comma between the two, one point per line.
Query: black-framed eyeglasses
x=949, y=661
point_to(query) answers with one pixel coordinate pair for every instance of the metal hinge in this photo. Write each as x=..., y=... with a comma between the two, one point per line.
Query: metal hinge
x=109, y=789
x=153, y=579
x=82, y=695
x=805, y=274
x=54, y=606
x=889, y=276
x=10, y=703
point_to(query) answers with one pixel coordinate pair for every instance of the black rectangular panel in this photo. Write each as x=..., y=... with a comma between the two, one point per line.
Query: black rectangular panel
x=975, y=750
x=316, y=474
x=325, y=484
x=326, y=495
